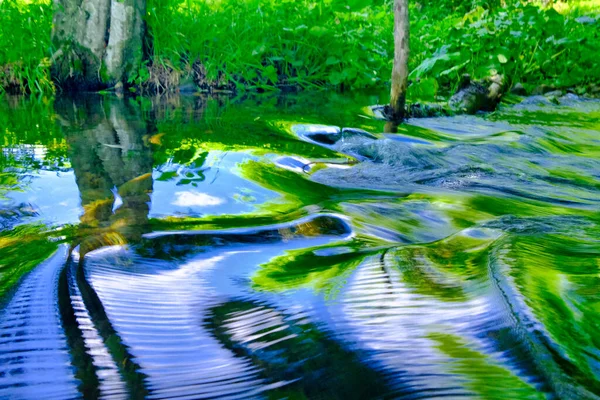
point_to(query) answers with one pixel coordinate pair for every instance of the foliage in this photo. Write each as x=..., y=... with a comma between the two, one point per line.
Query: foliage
x=263, y=44
x=25, y=46
x=258, y=43
x=524, y=41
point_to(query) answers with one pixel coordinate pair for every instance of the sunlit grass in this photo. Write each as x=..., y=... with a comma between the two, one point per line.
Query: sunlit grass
x=263, y=44
x=25, y=46
x=579, y=8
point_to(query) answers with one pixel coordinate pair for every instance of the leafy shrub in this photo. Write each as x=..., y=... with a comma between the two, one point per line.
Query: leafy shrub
x=523, y=41
x=344, y=44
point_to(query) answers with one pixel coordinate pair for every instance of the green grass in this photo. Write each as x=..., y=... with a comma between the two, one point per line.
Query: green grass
x=25, y=46
x=315, y=44
x=259, y=44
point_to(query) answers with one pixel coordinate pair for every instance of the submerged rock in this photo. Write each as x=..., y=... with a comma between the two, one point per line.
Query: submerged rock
x=426, y=110
x=294, y=163
x=323, y=134
x=469, y=99
x=569, y=99
x=378, y=111
x=477, y=155
x=392, y=153
x=406, y=139
x=350, y=132
x=536, y=101
x=329, y=135
x=414, y=110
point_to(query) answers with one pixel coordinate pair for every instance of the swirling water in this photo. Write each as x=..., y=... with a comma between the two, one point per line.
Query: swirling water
x=296, y=247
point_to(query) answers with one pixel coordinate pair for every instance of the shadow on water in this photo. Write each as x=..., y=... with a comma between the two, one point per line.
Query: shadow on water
x=295, y=247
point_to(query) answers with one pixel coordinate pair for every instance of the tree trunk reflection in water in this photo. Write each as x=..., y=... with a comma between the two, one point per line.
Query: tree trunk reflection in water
x=391, y=127
x=112, y=161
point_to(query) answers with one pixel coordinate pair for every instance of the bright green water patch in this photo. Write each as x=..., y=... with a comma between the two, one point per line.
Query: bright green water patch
x=29, y=240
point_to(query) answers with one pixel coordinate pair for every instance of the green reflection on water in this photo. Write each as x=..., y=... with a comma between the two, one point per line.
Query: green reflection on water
x=484, y=376
x=534, y=261
x=21, y=249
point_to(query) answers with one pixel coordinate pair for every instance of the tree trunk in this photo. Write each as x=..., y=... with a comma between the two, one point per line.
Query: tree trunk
x=401, y=52
x=98, y=42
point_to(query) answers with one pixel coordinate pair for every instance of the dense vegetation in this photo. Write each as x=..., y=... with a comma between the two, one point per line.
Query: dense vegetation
x=265, y=44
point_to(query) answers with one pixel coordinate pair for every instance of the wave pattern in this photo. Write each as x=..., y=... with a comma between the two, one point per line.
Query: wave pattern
x=389, y=321
x=34, y=356
x=156, y=309
x=111, y=384
x=457, y=259
x=295, y=356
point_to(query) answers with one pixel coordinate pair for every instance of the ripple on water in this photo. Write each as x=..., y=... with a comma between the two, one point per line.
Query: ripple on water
x=34, y=356
x=473, y=275
x=154, y=307
x=110, y=382
x=157, y=307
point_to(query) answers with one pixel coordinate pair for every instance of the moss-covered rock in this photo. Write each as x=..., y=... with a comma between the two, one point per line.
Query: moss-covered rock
x=474, y=96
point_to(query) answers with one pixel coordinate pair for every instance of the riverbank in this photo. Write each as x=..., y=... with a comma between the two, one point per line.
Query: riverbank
x=260, y=45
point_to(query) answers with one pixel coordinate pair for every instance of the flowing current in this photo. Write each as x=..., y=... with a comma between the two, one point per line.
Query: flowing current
x=297, y=247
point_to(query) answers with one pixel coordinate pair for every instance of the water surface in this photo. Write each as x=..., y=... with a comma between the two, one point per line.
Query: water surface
x=296, y=247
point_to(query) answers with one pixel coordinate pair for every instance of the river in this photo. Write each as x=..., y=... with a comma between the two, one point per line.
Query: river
x=287, y=247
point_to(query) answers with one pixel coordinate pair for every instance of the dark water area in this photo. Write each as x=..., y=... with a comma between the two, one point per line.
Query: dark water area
x=296, y=247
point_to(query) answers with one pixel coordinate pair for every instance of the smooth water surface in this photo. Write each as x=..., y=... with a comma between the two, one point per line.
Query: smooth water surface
x=288, y=247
